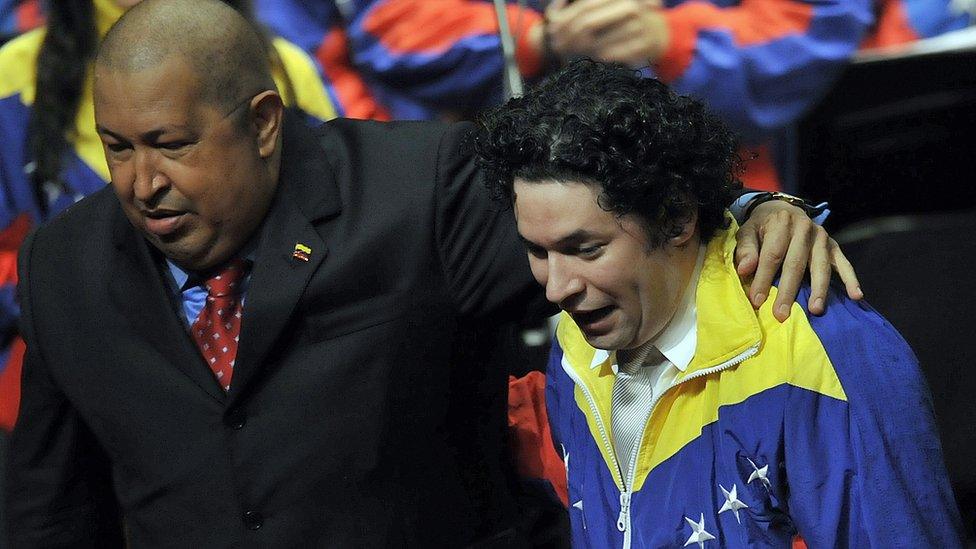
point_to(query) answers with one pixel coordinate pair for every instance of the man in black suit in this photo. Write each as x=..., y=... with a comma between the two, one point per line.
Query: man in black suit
x=355, y=265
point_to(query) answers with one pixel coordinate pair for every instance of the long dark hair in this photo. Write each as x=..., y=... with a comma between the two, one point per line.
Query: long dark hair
x=69, y=46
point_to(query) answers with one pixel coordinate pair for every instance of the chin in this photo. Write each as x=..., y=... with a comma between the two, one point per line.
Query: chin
x=607, y=342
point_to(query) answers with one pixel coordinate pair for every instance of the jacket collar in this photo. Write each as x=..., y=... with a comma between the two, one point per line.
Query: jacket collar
x=290, y=247
x=307, y=197
x=726, y=322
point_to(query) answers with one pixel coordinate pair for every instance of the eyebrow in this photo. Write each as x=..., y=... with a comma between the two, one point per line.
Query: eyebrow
x=151, y=136
x=575, y=237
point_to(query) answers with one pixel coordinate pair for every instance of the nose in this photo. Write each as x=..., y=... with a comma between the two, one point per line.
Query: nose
x=149, y=180
x=562, y=281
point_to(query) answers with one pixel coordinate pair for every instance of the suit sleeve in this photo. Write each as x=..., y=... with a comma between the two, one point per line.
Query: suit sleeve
x=868, y=471
x=760, y=63
x=59, y=490
x=482, y=256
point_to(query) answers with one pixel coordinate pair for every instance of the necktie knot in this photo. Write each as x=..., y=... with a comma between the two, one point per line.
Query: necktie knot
x=217, y=329
x=227, y=281
x=630, y=362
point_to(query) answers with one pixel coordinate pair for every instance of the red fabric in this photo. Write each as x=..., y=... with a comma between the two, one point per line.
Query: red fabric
x=13, y=235
x=10, y=385
x=29, y=15
x=407, y=26
x=531, y=440
x=892, y=27
x=10, y=239
x=218, y=327
x=353, y=94
x=759, y=171
x=798, y=543
x=751, y=22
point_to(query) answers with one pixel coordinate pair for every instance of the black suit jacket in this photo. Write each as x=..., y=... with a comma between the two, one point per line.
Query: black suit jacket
x=361, y=413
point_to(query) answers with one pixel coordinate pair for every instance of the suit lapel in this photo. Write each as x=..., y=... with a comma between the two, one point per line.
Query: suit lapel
x=139, y=291
x=307, y=196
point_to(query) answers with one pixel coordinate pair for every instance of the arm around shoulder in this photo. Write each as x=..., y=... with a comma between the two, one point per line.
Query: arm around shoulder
x=484, y=260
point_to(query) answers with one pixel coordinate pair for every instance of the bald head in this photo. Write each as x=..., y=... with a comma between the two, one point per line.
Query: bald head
x=224, y=50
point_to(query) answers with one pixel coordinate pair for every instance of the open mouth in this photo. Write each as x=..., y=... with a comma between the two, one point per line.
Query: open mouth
x=591, y=319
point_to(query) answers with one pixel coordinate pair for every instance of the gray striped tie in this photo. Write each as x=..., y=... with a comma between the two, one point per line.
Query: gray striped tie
x=633, y=390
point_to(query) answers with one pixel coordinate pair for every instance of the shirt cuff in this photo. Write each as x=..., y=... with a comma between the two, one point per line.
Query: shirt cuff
x=741, y=206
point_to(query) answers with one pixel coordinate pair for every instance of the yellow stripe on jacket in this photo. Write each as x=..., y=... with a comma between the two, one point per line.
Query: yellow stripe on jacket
x=728, y=327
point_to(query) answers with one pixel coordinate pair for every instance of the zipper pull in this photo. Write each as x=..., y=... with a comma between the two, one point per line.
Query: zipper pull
x=624, y=511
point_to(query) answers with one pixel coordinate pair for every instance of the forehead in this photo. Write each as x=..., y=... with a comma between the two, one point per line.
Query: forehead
x=550, y=210
x=167, y=93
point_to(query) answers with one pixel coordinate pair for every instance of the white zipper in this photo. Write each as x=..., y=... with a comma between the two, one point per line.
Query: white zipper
x=623, y=519
x=596, y=416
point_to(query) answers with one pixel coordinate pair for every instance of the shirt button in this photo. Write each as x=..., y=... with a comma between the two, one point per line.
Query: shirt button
x=253, y=520
x=235, y=418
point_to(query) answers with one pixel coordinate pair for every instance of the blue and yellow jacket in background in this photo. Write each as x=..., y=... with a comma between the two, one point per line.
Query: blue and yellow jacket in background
x=84, y=167
x=820, y=426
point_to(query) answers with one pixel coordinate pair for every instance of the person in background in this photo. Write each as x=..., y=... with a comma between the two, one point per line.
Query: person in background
x=18, y=16
x=757, y=64
x=408, y=59
x=684, y=416
x=50, y=155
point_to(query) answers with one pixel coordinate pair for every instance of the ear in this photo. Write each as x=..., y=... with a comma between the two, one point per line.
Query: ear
x=267, y=114
x=688, y=229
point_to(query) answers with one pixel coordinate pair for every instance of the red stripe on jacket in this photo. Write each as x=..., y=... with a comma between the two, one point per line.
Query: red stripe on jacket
x=353, y=94
x=750, y=23
x=434, y=26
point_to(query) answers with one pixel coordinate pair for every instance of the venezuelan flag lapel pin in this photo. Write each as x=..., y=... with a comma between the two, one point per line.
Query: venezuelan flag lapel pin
x=301, y=252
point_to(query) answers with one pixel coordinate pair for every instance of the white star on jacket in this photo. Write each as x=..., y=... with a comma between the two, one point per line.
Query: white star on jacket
x=698, y=534
x=759, y=473
x=732, y=502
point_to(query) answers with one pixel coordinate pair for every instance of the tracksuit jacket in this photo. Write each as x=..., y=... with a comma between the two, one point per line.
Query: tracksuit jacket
x=84, y=168
x=820, y=426
x=758, y=64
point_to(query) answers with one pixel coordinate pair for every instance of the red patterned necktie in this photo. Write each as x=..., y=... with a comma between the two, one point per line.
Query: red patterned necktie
x=218, y=327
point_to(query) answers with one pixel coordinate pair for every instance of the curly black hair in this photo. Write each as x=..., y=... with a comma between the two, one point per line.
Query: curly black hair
x=653, y=153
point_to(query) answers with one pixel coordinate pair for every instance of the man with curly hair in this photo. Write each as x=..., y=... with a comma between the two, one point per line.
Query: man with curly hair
x=684, y=415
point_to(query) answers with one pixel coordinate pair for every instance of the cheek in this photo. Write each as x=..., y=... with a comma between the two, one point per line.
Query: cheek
x=609, y=278
x=539, y=270
x=121, y=177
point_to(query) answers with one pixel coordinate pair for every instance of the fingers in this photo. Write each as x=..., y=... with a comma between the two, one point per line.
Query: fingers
x=779, y=235
x=636, y=42
x=820, y=270
x=747, y=249
x=577, y=28
x=606, y=17
x=794, y=268
x=624, y=43
x=846, y=272
x=775, y=244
